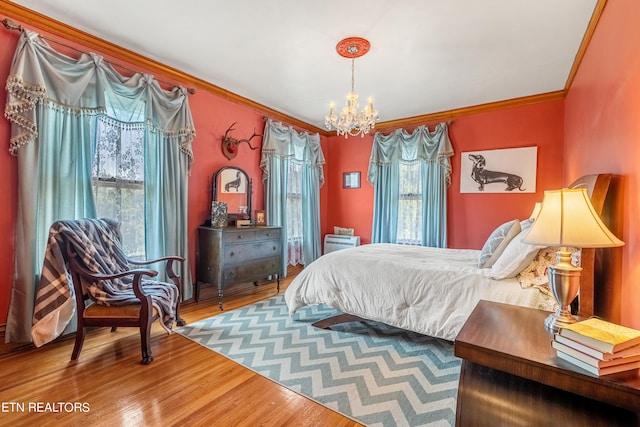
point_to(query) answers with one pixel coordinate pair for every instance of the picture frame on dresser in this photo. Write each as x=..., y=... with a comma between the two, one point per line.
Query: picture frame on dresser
x=261, y=218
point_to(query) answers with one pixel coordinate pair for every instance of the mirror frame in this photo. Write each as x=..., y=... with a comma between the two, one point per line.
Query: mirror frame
x=232, y=217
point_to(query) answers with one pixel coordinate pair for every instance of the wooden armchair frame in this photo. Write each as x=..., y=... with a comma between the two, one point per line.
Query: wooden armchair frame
x=141, y=315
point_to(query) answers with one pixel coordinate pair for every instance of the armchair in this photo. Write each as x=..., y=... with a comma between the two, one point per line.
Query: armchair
x=109, y=288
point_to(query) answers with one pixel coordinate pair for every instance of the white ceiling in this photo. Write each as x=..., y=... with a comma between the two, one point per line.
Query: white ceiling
x=427, y=56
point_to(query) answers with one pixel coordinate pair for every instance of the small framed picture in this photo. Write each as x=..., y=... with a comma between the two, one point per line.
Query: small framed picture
x=261, y=218
x=351, y=180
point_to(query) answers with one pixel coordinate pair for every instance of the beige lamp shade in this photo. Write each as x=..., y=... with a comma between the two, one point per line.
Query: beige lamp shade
x=567, y=218
x=536, y=210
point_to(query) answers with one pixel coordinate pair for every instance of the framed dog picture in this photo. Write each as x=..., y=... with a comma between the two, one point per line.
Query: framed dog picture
x=261, y=217
x=233, y=181
x=499, y=171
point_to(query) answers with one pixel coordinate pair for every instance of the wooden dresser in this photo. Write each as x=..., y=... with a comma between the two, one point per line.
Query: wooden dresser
x=227, y=256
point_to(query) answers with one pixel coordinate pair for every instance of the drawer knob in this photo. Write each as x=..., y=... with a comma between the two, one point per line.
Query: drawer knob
x=240, y=236
x=232, y=254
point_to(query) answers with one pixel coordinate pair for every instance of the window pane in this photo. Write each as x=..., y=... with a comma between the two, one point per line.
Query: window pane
x=127, y=206
x=294, y=214
x=118, y=174
x=410, y=205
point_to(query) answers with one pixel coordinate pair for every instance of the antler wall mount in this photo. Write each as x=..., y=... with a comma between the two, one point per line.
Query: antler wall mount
x=230, y=145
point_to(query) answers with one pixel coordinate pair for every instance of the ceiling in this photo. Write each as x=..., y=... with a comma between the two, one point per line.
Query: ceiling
x=426, y=57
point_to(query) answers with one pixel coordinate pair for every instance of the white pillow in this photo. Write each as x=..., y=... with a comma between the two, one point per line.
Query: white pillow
x=526, y=224
x=515, y=257
x=497, y=242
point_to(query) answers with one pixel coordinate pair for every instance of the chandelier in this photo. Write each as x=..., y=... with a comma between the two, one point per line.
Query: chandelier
x=351, y=121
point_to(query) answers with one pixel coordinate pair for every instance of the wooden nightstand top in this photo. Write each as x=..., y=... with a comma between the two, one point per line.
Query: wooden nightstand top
x=514, y=340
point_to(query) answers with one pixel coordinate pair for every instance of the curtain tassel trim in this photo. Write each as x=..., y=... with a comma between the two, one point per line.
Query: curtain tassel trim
x=20, y=106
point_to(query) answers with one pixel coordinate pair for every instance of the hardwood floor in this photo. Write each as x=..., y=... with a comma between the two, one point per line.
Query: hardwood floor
x=186, y=384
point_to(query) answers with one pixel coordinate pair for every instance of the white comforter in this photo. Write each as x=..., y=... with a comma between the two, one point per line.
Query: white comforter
x=431, y=291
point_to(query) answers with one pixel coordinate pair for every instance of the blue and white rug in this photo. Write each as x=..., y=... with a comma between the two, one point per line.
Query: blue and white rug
x=370, y=372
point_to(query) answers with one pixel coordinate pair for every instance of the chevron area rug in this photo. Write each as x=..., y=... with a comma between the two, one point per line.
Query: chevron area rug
x=368, y=371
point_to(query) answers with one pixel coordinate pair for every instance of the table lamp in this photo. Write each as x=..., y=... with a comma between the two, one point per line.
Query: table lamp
x=536, y=210
x=567, y=219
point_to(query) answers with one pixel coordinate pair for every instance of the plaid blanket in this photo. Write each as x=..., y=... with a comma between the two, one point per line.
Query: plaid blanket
x=97, y=242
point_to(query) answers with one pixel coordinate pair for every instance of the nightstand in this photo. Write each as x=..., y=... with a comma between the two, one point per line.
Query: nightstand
x=510, y=375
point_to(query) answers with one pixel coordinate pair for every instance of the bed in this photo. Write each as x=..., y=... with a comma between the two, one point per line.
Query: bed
x=432, y=291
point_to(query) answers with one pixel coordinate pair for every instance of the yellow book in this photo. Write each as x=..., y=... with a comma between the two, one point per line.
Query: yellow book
x=602, y=335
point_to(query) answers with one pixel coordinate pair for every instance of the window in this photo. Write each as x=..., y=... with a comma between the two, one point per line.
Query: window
x=410, y=204
x=294, y=213
x=118, y=180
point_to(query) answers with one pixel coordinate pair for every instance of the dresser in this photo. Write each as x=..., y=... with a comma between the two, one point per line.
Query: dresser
x=227, y=256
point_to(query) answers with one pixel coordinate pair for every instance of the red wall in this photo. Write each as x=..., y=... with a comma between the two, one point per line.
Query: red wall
x=602, y=130
x=471, y=217
x=212, y=116
x=8, y=183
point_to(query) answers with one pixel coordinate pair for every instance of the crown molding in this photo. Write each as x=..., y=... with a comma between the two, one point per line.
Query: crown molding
x=412, y=122
x=591, y=28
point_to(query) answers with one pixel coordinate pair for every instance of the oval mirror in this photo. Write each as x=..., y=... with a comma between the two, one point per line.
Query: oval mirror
x=233, y=186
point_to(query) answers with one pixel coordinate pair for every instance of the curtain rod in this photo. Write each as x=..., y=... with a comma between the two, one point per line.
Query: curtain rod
x=10, y=25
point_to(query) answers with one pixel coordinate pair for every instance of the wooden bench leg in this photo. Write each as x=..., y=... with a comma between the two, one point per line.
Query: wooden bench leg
x=338, y=318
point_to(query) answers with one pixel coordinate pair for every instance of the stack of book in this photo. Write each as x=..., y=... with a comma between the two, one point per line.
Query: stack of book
x=599, y=347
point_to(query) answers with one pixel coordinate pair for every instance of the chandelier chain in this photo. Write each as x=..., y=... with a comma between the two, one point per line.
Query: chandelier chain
x=353, y=61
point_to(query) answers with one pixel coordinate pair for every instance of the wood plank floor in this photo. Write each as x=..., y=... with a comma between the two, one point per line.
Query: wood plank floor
x=186, y=385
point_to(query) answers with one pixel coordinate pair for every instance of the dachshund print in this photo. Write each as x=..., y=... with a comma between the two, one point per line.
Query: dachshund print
x=235, y=184
x=483, y=176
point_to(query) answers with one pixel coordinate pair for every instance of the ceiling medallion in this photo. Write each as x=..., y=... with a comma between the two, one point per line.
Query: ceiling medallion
x=350, y=121
x=353, y=47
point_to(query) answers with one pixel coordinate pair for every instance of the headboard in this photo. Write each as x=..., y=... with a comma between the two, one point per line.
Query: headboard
x=597, y=186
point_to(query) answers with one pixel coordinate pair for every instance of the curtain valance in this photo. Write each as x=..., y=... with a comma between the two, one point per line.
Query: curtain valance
x=40, y=74
x=421, y=145
x=283, y=141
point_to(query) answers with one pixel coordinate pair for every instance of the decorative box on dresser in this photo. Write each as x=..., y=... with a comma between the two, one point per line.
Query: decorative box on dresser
x=227, y=256
x=511, y=376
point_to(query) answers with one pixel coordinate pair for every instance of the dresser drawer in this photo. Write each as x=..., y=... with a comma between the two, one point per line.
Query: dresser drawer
x=251, y=271
x=267, y=233
x=208, y=273
x=242, y=253
x=239, y=235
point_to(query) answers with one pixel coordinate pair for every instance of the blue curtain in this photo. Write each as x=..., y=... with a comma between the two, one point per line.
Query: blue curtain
x=53, y=104
x=433, y=150
x=282, y=144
